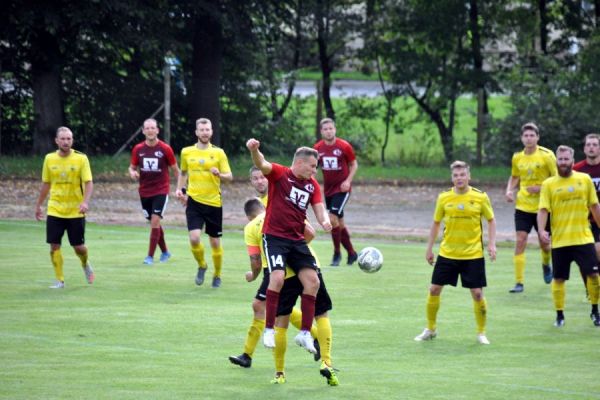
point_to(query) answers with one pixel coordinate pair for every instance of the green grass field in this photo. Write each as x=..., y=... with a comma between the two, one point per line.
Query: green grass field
x=150, y=332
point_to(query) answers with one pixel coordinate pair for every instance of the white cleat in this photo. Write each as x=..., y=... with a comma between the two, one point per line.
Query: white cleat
x=269, y=338
x=304, y=339
x=57, y=285
x=482, y=339
x=89, y=273
x=427, y=334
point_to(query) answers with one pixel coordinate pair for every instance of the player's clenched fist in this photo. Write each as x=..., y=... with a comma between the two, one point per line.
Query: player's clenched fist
x=252, y=144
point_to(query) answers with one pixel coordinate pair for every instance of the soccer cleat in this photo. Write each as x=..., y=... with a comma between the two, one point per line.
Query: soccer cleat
x=519, y=288
x=216, y=283
x=243, y=360
x=317, y=355
x=482, y=339
x=352, y=258
x=269, y=338
x=337, y=259
x=200, y=276
x=329, y=374
x=165, y=256
x=279, y=378
x=148, y=260
x=595, y=318
x=57, y=285
x=304, y=339
x=559, y=323
x=547, y=269
x=427, y=334
x=89, y=273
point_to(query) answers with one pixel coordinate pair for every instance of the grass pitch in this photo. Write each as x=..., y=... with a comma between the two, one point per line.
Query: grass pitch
x=150, y=332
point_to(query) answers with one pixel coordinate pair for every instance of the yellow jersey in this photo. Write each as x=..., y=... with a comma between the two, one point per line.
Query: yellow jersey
x=461, y=215
x=67, y=177
x=569, y=200
x=532, y=169
x=203, y=186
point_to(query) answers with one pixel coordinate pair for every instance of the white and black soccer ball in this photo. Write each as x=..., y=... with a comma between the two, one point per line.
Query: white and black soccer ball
x=370, y=259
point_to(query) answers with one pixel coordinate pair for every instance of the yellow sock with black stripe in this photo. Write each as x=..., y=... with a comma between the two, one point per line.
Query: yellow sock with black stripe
x=592, y=284
x=254, y=332
x=325, y=337
x=57, y=262
x=558, y=295
x=198, y=253
x=296, y=321
x=217, y=256
x=433, y=305
x=480, y=309
x=545, y=257
x=519, y=262
x=280, y=348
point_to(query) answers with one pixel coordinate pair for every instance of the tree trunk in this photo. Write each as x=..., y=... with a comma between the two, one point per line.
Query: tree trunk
x=47, y=91
x=597, y=12
x=324, y=59
x=207, y=70
x=479, y=77
x=543, y=26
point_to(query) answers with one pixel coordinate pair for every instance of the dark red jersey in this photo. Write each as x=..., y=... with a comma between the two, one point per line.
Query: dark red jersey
x=289, y=198
x=593, y=171
x=334, y=160
x=153, y=163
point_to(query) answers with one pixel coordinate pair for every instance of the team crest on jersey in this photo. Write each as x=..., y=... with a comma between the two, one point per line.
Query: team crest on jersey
x=309, y=188
x=337, y=152
x=570, y=189
x=159, y=154
x=461, y=206
x=201, y=161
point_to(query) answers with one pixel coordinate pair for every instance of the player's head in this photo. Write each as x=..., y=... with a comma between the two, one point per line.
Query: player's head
x=564, y=160
x=530, y=134
x=64, y=139
x=253, y=207
x=204, y=130
x=150, y=129
x=327, y=129
x=461, y=174
x=305, y=162
x=591, y=146
x=258, y=181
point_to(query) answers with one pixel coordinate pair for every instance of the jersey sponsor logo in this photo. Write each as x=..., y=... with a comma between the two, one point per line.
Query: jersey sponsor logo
x=299, y=197
x=291, y=180
x=330, y=163
x=150, y=164
x=596, y=184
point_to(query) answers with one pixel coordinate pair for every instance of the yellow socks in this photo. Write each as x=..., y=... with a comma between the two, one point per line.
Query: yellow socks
x=558, y=294
x=198, y=253
x=217, y=256
x=280, y=348
x=433, y=305
x=593, y=289
x=545, y=257
x=254, y=332
x=325, y=337
x=480, y=309
x=57, y=263
x=519, y=261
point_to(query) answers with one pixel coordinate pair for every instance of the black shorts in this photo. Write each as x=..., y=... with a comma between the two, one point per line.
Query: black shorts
x=524, y=221
x=584, y=256
x=595, y=231
x=292, y=289
x=261, y=293
x=280, y=252
x=336, y=203
x=447, y=270
x=154, y=205
x=56, y=227
x=198, y=214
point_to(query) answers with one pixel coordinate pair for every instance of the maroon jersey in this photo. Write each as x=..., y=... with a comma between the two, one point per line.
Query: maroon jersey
x=334, y=160
x=153, y=162
x=289, y=197
x=593, y=171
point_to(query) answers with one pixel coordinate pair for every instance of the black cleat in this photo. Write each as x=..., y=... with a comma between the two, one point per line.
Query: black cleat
x=200, y=276
x=337, y=258
x=517, y=289
x=317, y=355
x=243, y=360
x=547, y=269
x=595, y=319
x=352, y=258
x=560, y=322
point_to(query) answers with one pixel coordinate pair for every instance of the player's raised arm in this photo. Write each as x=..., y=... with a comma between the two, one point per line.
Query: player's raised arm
x=257, y=157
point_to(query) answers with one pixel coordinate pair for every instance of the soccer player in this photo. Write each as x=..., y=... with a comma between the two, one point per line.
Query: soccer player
x=67, y=176
x=150, y=163
x=260, y=184
x=530, y=167
x=207, y=166
x=291, y=191
x=591, y=166
x=338, y=162
x=461, y=251
x=569, y=197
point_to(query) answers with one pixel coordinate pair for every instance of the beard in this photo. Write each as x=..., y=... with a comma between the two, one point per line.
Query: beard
x=565, y=171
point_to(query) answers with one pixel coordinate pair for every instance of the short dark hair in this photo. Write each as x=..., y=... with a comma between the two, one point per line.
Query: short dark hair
x=530, y=126
x=253, y=206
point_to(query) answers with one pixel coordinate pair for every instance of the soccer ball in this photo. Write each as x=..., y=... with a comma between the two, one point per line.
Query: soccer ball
x=370, y=259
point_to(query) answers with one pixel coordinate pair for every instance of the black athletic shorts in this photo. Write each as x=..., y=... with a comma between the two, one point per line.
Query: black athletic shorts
x=595, y=231
x=447, y=270
x=336, y=203
x=280, y=252
x=292, y=289
x=524, y=221
x=56, y=227
x=154, y=205
x=261, y=293
x=584, y=256
x=198, y=214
